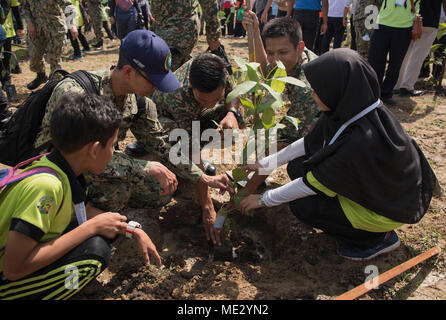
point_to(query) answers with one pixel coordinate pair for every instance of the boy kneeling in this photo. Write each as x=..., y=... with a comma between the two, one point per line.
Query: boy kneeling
x=44, y=252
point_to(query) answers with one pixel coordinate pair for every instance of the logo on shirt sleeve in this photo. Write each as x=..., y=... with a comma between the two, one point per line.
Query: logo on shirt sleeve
x=45, y=204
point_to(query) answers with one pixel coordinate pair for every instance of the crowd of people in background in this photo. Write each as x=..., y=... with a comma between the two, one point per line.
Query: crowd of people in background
x=369, y=26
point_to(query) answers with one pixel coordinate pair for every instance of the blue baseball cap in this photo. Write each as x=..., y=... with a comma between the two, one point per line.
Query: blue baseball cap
x=146, y=51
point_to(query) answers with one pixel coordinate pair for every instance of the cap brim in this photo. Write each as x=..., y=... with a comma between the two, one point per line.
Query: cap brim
x=167, y=82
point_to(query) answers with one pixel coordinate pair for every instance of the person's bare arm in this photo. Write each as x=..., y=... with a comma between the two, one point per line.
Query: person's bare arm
x=290, y=8
x=23, y=255
x=265, y=11
x=250, y=18
x=324, y=16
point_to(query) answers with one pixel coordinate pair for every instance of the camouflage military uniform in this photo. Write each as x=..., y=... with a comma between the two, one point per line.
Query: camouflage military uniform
x=302, y=105
x=181, y=108
x=364, y=34
x=48, y=19
x=124, y=180
x=95, y=13
x=177, y=22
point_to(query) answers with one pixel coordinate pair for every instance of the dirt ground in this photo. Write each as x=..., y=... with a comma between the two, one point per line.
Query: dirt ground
x=270, y=255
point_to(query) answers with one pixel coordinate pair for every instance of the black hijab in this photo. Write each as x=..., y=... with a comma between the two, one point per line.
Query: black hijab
x=373, y=162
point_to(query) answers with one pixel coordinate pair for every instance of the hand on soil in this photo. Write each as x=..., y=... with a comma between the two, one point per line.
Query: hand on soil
x=209, y=217
x=147, y=248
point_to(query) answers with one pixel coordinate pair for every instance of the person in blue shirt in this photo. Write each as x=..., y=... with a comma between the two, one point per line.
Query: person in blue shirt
x=307, y=13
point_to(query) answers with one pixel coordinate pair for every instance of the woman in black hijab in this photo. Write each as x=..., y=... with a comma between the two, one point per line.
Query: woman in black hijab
x=356, y=175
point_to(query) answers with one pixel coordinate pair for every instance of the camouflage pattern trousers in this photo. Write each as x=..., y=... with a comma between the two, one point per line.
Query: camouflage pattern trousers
x=363, y=36
x=95, y=13
x=125, y=182
x=48, y=44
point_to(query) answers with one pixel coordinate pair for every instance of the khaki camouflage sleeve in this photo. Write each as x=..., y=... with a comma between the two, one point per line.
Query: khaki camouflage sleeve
x=67, y=85
x=148, y=130
x=210, y=10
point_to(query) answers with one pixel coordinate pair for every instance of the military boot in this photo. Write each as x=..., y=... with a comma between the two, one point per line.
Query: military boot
x=40, y=78
x=135, y=149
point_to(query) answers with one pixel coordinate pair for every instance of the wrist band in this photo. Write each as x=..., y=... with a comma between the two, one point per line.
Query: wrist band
x=131, y=228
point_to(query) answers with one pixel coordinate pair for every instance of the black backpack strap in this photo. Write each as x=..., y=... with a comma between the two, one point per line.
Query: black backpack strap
x=87, y=83
x=85, y=80
x=141, y=103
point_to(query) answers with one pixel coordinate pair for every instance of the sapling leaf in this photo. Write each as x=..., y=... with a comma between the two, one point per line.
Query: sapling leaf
x=276, y=84
x=294, y=121
x=275, y=94
x=252, y=73
x=291, y=80
x=241, y=63
x=248, y=103
x=240, y=89
x=238, y=174
x=268, y=118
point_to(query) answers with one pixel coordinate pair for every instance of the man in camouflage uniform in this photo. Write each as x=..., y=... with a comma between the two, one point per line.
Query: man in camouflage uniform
x=364, y=17
x=46, y=25
x=204, y=87
x=302, y=104
x=284, y=35
x=95, y=13
x=183, y=106
x=126, y=180
x=177, y=22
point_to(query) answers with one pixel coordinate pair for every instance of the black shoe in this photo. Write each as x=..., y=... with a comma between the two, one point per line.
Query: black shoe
x=389, y=101
x=412, y=93
x=209, y=168
x=11, y=93
x=98, y=45
x=16, y=69
x=136, y=149
x=41, y=78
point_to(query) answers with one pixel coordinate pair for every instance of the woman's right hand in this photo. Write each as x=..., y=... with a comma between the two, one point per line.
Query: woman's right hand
x=109, y=224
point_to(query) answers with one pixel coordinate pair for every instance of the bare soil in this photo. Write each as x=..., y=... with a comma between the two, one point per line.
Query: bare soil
x=270, y=255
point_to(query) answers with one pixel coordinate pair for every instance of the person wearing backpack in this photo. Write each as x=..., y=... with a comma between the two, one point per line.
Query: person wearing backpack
x=5, y=65
x=143, y=67
x=47, y=33
x=53, y=242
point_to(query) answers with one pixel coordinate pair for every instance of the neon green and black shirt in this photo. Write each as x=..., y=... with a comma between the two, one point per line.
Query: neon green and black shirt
x=39, y=206
x=360, y=217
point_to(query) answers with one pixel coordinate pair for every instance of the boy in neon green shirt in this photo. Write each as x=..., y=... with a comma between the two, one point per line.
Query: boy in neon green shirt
x=42, y=251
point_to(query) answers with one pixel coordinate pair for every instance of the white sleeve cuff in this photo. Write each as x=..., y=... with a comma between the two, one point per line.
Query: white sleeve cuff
x=273, y=161
x=293, y=190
